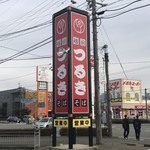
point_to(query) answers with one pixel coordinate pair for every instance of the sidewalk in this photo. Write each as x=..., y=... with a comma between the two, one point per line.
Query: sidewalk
x=113, y=143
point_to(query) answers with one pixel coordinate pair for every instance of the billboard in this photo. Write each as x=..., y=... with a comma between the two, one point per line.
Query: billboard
x=115, y=90
x=131, y=91
x=42, y=73
x=71, y=61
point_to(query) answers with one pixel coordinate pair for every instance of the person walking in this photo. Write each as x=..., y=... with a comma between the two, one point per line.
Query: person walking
x=125, y=125
x=137, y=127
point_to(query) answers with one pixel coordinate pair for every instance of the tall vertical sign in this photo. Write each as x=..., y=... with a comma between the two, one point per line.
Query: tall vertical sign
x=42, y=91
x=71, y=33
x=71, y=71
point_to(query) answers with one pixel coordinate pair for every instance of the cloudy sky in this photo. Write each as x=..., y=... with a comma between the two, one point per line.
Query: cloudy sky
x=27, y=24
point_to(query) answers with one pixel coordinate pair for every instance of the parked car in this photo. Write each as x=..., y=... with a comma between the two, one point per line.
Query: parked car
x=44, y=123
x=28, y=119
x=13, y=119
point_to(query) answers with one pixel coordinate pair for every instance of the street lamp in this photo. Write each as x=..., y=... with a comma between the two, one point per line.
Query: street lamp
x=108, y=115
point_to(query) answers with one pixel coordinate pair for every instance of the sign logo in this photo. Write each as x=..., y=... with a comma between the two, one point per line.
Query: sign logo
x=61, y=26
x=79, y=26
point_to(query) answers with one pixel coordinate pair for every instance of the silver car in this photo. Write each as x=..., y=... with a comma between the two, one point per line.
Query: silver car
x=44, y=123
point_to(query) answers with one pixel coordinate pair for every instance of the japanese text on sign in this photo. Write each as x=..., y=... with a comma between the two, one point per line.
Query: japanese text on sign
x=80, y=101
x=61, y=69
x=60, y=122
x=81, y=123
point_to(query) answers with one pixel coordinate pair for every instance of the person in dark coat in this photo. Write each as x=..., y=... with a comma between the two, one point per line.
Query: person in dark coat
x=137, y=127
x=125, y=125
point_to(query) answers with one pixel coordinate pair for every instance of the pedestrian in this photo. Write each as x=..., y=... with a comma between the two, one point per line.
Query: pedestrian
x=125, y=125
x=137, y=127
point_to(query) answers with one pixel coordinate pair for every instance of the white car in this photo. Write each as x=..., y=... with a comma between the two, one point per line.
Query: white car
x=44, y=123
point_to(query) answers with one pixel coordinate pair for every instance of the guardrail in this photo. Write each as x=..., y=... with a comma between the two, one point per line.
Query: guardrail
x=19, y=139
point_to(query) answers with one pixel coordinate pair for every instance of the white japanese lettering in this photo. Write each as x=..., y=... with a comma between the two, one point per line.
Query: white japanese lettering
x=79, y=71
x=79, y=52
x=80, y=88
x=61, y=71
x=62, y=88
x=61, y=56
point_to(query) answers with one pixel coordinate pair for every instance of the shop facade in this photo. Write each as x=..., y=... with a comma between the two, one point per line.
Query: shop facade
x=126, y=98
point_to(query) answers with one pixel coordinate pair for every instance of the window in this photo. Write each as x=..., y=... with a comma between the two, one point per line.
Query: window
x=128, y=96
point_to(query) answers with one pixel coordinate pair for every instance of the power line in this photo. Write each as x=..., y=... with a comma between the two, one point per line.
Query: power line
x=12, y=37
x=22, y=67
x=121, y=13
x=12, y=49
x=115, y=52
x=27, y=50
x=23, y=30
x=124, y=6
x=17, y=77
x=33, y=58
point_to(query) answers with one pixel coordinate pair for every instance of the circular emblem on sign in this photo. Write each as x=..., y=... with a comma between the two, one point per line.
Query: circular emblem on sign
x=61, y=26
x=79, y=26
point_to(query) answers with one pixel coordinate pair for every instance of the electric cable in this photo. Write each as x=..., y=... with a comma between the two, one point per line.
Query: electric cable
x=115, y=53
x=27, y=50
x=121, y=13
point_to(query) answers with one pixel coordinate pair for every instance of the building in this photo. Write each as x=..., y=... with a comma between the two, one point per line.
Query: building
x=126, y=98
x=10, y=102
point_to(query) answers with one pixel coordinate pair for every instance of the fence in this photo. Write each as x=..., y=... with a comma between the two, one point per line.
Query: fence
x=19, y=139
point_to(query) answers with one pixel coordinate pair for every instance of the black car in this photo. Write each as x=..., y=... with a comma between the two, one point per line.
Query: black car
x=13, y=119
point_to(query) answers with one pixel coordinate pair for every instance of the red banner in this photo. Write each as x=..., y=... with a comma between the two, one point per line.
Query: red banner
x=61, y=66
x=80, y=89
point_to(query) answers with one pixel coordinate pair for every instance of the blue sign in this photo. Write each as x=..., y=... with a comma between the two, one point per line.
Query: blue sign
x=28, y=101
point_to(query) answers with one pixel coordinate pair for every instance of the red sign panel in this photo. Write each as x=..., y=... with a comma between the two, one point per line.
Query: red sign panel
x=79, y=52
x=61, y=66
x=142, y=107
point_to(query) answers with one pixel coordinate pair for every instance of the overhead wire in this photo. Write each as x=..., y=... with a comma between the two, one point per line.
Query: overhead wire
x=15, y=36
x=27, y=50
x=115, y=53
x=23, y=16
x=124, y=12
x=4, y=1
x=124, y=6
x=35, y=13
x=23, y=30
x=4, y=12
x=17, y=77
x=12, y=49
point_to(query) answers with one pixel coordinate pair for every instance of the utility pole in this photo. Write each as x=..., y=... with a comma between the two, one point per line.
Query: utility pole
x=108, y=115
x=96, y=77
x=146, y=103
